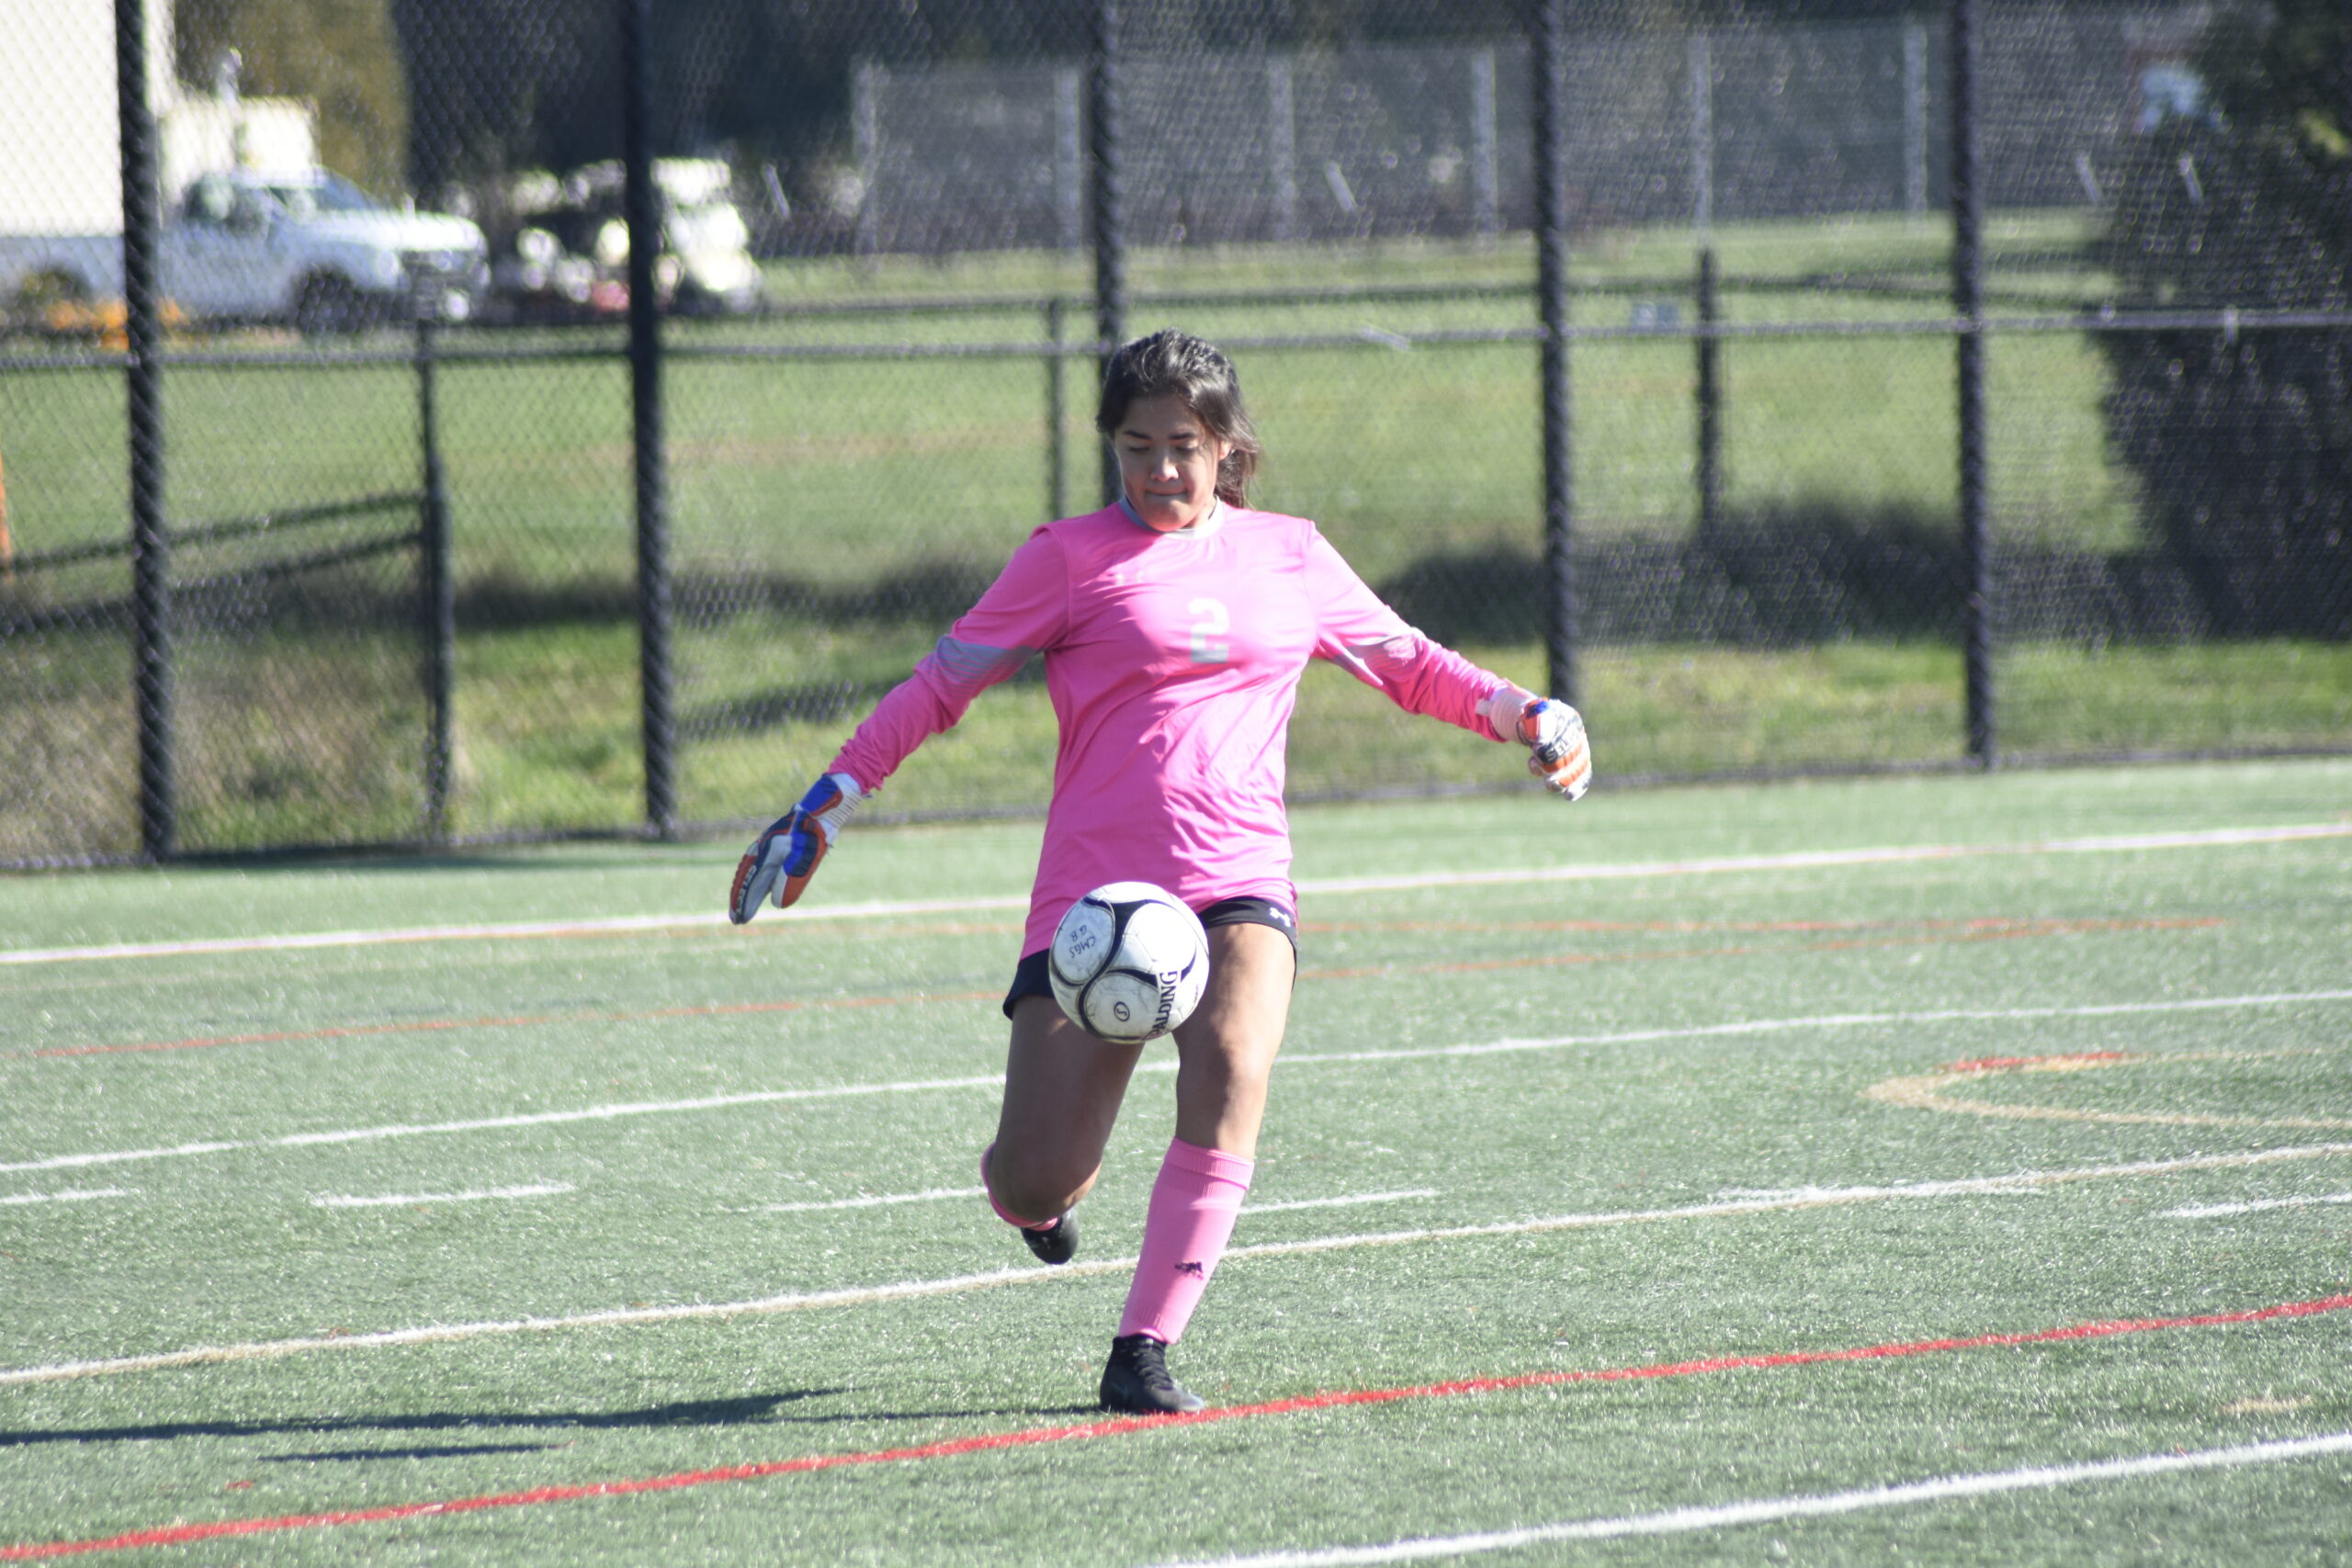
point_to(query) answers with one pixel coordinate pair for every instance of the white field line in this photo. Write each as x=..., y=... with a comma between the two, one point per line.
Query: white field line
x=504, y=930
x=1827, y=1021
x=934, y=1195
x=623, y=924
x=940, y=1193
x=1806, y=860
x=1681, y=1521
x=2214, y=1210
x=1781, y=1193
x=71, y=1195
x=404, y=1200
x=864, y=1295
x=492, y=1124
x=925, y=1086
x=1339, y=1203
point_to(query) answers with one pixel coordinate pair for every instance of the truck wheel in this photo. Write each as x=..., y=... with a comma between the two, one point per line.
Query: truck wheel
x=329, y=307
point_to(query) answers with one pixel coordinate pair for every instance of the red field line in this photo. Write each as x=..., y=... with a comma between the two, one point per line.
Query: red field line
x=1973, y=931
x=184, y=1534
x=1997, y=1064
x=1685, y=927
x=1992, y=928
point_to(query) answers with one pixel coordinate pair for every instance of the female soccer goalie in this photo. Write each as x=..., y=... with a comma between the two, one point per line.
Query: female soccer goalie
x=1175, y=625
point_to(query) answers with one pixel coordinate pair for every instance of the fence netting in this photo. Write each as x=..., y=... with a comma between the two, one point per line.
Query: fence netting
x=420, y=479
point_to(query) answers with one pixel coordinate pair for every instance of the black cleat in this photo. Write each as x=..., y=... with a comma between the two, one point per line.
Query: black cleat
x=1136, y=1380
x=1058, y=1243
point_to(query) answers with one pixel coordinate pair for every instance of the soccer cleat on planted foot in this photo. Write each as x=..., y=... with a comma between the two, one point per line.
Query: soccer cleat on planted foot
x=1136, y=1380
x=1055, y=1243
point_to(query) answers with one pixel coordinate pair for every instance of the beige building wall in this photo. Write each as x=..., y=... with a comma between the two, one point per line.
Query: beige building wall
x=60, y=169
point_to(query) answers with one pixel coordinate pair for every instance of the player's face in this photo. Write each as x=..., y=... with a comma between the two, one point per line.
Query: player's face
x=1168, y=462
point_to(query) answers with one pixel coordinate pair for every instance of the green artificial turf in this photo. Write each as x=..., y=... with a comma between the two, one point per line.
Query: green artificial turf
x=1684, y=1034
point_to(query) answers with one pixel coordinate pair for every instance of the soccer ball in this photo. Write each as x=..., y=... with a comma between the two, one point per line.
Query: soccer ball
x=1128, y=962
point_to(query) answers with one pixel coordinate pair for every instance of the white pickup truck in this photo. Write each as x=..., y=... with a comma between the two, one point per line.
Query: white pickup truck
x=309, y=248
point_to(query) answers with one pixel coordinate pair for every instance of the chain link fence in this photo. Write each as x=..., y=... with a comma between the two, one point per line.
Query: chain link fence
x=551, y=418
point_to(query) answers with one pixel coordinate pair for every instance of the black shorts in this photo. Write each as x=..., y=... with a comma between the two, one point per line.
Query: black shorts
x=1029, y=978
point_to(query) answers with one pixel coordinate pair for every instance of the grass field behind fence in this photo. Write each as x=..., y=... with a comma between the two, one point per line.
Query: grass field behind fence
x=948, y=457
x=1732, y=1150
x=823, y=477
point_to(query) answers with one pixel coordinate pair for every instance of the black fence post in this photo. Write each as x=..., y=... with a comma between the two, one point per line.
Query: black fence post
x=1552, y=304
x=437, y=587
x=1109, y=211
x=1710, y=391
x=1056, y=415
x=653, y=599
x=151, y=544
x=1968, y=303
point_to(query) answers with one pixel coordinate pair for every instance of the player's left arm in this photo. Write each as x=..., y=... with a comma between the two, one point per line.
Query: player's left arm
x=1371, y=641
x=1559, y=752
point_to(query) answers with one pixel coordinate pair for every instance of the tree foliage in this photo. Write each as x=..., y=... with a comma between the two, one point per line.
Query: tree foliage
x=501, y=85
x=336, y=54
x=2242, y=440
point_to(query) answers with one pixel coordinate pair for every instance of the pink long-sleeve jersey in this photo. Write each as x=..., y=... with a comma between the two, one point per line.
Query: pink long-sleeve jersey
x=1174, y=662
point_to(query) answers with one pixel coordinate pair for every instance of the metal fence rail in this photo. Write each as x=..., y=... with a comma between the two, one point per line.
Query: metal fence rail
x=1796, y=397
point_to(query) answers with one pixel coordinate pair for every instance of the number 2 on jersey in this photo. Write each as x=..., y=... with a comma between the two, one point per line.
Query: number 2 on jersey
x=1211, y=622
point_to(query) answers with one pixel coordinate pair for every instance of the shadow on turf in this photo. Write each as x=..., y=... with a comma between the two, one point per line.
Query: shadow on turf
x=447, y=1451
x=749, y=1410
x=855, y=1417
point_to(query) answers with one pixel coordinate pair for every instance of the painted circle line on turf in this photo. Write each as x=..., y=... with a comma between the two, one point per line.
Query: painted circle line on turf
x=2217, y=838
x=187, y=1534
x=1930, y=1091
x=616, y=1317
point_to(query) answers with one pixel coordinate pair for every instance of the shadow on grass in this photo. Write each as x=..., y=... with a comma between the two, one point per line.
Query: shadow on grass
x=1788, y=576
x=749, y=1410
x=881, y=1417
x=450, y=1450
x=1808, y=570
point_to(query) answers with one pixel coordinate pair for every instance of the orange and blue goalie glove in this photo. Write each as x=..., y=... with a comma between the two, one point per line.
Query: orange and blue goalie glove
x=782, y=860
x=1559, y=752
x=1553, y=732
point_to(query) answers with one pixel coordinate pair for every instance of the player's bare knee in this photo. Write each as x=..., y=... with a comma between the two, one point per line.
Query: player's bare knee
x=1033, y=1186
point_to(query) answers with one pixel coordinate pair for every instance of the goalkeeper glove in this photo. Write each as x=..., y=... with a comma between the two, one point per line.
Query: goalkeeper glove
x=783, y=859
x=1553, y=734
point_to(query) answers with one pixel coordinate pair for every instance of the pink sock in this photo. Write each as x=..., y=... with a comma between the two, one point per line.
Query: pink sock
x=989, y=1187
x=1194, y=1205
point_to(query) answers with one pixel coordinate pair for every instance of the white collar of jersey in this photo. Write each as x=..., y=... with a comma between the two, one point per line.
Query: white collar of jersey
x=1201, y=530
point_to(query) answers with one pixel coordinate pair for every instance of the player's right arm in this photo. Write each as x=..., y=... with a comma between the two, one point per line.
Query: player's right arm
x=782, y=860
x=1024, y=610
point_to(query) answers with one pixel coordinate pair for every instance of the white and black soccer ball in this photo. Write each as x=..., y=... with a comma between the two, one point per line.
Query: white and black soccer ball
x=1128, y=962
